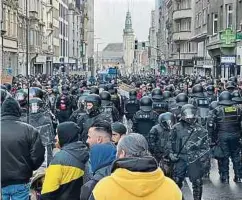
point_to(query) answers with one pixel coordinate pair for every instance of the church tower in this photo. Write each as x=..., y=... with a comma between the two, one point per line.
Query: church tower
x=128, y=43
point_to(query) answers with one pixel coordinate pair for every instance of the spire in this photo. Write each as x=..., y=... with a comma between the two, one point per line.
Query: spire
x=128, y=23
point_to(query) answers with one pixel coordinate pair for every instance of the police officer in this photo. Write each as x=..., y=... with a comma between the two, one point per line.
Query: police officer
x=188, y=145
x=181, y=100
x=22, y=97
x=145, y=118
x=94, y=90
x=40, y=119
x=108, y=107
x=210, y=91
x=93, y=112
x=132, y=105
x=230, y=86
x=159, y=105
x=159, y=136
x=227, y=119
x=168, y=98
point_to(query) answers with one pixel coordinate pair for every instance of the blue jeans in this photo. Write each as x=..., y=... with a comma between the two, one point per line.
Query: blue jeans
x=16, y=192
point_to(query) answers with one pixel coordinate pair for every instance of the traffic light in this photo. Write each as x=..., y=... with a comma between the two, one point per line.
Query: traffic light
x=136, y=44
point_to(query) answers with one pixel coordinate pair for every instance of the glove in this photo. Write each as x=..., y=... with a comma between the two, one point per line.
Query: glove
x=174, y=157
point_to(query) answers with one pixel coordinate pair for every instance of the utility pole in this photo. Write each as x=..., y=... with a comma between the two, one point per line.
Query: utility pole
x=27, y=55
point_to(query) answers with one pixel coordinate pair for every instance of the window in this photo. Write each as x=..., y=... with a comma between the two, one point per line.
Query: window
x=204, y=15
x=215, y=23
x=199, y=19
x=229, y=16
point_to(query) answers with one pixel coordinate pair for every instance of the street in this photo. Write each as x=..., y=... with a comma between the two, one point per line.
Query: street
x=213, y=189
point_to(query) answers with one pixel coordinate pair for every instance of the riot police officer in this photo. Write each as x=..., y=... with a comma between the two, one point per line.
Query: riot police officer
x=181, y=100
x=227, y=119
x=22, y=97
x=108, y=107
x=210, y=91
x=94, y=90
x=230, y=86
x=159, y=136
x=93, y=112
x=145, y=118
x=158, y=105
x=169, y=99
x=188, y=145
x=132, y=105
x=41, y=120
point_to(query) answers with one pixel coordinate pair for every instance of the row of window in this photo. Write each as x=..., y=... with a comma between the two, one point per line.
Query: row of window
x=229, y=18
x=10, y=22
x=201, y=18
x=183, y=25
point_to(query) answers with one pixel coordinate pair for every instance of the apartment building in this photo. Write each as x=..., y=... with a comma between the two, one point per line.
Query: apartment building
x=9, y=37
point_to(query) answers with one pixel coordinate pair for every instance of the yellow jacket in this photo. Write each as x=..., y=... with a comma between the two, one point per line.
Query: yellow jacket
x=127, y=185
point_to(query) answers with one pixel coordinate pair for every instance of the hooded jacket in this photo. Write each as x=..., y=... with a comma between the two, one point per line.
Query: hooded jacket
x=101, y=158
x=63, y=178
x=134, y=179
x=21, y=146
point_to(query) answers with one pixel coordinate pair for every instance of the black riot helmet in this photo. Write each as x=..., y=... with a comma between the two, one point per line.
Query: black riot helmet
x=167, y=119
x=36, y=92
x=35, y=105
x=105, y=96
x=210, y=89
x=188, y=113
x=8, y=86
x=197, y=90
x=230, y=86
x=167, y=94
x=213, y=105
x=96, y=102
x=4, y=95
x=236, y=97
x=22, y=97
x=225, y=98
x=94, y=90
x=3, y=87
x=176, y=92
x=74, y=90
x=181, y=99
x=156, y=94
x=169, y=88
x=233, y=79
x=146, y=104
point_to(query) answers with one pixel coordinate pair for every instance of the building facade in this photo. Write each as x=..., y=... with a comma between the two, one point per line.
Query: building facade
x=203, y=63
x=128, y=44
x=153, y=50
x=9, y=37
x=224, y=19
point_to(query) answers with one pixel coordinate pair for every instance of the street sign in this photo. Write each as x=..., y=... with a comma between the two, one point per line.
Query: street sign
x=228, y=59
x=228, y=37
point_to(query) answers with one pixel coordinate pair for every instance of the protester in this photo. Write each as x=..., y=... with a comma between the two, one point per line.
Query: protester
x=118, y=130
x=99, y=132
x=64, y=176
x=22, y=152
x=101, y=158
x=136, y=175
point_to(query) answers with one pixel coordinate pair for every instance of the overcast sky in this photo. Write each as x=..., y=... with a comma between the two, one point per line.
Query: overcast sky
x=110, y=19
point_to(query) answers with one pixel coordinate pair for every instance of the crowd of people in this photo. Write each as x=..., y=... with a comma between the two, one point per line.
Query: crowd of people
x=63, y=138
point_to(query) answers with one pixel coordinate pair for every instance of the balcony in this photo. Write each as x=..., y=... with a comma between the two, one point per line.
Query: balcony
x=182, y=14
x=183, y=35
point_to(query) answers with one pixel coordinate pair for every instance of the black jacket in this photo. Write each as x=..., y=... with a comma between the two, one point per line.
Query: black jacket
x=21, y=146
x=88, y=187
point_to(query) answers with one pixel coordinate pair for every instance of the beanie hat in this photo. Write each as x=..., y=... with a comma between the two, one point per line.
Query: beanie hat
x=118, y=127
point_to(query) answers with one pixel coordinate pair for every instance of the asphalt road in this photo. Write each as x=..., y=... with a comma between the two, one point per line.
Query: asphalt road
x=213, y=189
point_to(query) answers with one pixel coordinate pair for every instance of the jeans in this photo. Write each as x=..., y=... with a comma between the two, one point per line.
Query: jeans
x=16, y=192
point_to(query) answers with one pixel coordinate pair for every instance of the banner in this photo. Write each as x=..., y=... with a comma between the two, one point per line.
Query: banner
x=6, y=79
